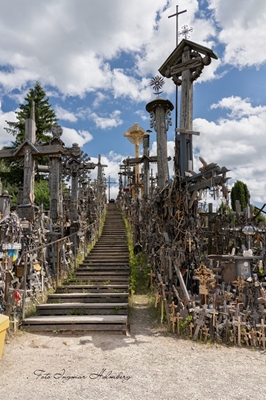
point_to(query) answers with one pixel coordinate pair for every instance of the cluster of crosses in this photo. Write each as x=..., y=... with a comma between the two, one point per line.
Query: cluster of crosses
x=70, y=210
x=201, y=267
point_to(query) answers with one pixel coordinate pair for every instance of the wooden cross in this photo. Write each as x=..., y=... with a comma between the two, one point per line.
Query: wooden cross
x=199, y=322
x=158, y=297
x=237, y=304
x=240, y=283
x=178, y=319
x=214, y=313
x=189, y=242
x=262, y=326
x=205, y=276
x=151, y=274
x=173, y=319
x=205, y=331
x=238, y=324
x=227, y=296
x=263, y=296
x=191, y=327
x=253, y=336
x=245, y=336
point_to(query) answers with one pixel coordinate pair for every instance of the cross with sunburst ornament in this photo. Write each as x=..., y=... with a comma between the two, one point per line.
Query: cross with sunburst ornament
x=185, y=31
x=157, y=83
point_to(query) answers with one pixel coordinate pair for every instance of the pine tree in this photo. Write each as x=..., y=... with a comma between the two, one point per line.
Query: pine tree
x=45, y=117
x=239, y=192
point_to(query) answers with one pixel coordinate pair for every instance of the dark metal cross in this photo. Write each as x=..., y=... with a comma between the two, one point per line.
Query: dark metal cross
x=176, y=15
x=176, y=89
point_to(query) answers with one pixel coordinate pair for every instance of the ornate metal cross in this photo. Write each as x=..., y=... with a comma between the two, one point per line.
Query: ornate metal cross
x=185, y=30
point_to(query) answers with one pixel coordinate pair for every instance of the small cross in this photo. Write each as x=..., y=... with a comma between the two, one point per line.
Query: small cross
x=157, y=299
x=262, y=336
x=263, y=296
x=191, y=326
x=214, y=313
x=205, y=331
x=245, y=336
x=173, y=319
x=179, y=318
x=151, y=275
x=253, y=337
x=240, y=283
x=238, y=323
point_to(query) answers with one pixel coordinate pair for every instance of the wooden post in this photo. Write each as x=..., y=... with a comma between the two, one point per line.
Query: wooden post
x=159, y=110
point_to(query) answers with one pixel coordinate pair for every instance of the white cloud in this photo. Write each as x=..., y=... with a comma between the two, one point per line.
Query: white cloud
x=239, y=144
x=143, y=115
x=99, y=98
x=65, y=115
x=242, y=30
x=107, y=122
x=71, y=136
x=6, y=138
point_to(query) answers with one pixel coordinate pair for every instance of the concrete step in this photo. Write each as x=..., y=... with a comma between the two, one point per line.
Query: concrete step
x=93, y=288
x=60, y=298
x=96, y=299
x=83, y=309
x=98, y=282
x=77, y=323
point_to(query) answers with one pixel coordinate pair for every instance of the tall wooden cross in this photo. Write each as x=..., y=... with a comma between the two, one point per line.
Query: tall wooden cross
x=184, y=66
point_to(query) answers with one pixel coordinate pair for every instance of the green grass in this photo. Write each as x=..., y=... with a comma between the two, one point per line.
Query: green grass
x=139, y=268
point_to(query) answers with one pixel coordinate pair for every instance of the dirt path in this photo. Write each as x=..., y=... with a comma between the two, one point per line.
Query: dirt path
x=149, y=364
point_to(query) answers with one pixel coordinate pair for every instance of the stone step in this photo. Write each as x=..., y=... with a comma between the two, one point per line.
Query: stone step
x=93, y=288
x=100, y=287
x=60, y=298
x=98, y=282
x=83, y=309
x=76, y=323
x=108, y=268
x=104, y=263
x=112, y=270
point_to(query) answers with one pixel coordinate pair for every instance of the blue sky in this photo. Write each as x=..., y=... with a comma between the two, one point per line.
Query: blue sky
x=95, y=60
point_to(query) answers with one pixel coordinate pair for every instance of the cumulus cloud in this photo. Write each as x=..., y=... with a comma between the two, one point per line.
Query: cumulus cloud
x=71, y=136
x=239, y=143
x=65, y=115
x=240, y=27
x=107, y=122
x=6, y=138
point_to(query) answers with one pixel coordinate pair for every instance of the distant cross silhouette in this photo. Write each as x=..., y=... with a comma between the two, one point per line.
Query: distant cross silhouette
x=185, y=30
x=176, y=89
x=176, y=15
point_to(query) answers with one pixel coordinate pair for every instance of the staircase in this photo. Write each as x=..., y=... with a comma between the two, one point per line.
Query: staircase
x=97, y=297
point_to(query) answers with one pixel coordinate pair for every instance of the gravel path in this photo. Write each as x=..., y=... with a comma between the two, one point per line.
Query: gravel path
x=150, y=364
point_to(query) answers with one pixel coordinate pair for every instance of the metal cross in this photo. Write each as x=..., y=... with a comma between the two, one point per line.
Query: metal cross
x=176, y=15
x=185, y=30
x=176, y=89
